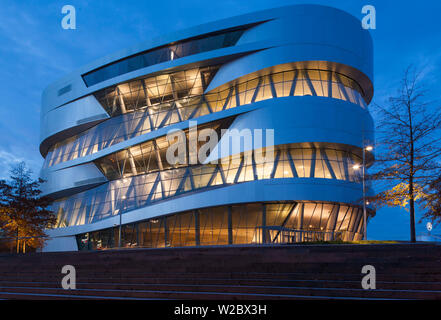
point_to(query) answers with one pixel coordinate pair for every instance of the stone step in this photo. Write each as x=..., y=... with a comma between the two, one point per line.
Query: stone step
x=228, y=292
x=213, y=266
x=140, y=284
x=246, y=272
x=146, y=276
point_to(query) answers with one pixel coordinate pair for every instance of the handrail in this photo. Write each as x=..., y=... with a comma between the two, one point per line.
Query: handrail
x=276, y=234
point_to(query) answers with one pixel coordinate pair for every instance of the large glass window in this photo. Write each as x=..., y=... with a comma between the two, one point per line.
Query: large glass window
x=213, y=224
x=163, y=54
x=152, y=233
x=148, y=157
x=245, y=219
x=130, y=191
x=289, y=161
x=236, y=224
x=181, y=230
x=144, y=105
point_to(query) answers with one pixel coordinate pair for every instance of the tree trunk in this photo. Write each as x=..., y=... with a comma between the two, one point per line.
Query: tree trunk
x=412, y=221
x=411, y=191
x=17, y=243
x=412, y=211
x=24, y=246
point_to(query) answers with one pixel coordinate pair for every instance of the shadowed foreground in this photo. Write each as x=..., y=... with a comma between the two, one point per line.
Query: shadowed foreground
x=403, y=271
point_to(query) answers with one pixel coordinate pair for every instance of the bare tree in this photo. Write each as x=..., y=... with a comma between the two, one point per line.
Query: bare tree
x=409, y=145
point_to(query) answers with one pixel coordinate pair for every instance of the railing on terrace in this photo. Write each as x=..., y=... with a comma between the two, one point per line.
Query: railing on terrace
x=277, y=234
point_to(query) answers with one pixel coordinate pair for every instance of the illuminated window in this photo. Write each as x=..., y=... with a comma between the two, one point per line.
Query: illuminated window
x=163, y=54
x=140, y=106
x=236, y=224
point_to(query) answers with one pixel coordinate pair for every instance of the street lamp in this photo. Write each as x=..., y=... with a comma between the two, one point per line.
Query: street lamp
x=120, y=221
x=119, y=229
x=356, y=167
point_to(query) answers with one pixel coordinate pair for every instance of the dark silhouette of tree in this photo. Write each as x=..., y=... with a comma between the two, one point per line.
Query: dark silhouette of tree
x=24, y=214
x=4, y=219
x=409, y=146
x=432, y=201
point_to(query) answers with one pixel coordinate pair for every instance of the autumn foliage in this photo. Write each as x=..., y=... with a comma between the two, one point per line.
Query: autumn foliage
x=23, y=211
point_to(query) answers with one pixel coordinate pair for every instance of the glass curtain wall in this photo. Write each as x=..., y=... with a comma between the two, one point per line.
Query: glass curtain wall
x=234, y=224
x=163, y=54
x=289, y=161
x=149, y=156
x=130, y=191
x=140, y=106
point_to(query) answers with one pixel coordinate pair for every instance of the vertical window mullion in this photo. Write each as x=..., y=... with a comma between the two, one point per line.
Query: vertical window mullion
x=309, y=82
x=276, y=162
x=294, y=83
x=328, y=163
x=273, y=88
x=313, y=158
x=197, y=228
x=329, y=84
x=263, y=223
x=230, y=226
x=291, y=163
x=256, y=90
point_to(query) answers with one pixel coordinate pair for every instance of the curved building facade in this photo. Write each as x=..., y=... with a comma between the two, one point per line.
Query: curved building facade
x=244, y=130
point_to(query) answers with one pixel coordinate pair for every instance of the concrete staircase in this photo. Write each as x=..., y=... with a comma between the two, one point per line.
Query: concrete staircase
x=403, y=271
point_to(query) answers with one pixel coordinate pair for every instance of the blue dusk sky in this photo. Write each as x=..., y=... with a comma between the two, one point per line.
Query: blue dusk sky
x=35, y=51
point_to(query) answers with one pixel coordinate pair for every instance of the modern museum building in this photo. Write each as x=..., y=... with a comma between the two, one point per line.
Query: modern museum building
x=246, y=130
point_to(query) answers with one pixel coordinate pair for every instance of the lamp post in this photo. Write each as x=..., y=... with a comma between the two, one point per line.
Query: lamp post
x=119, y=232
x=363, y=174
x=120, y=221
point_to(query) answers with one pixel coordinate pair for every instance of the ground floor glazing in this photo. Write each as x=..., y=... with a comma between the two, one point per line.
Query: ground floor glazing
x=250, y=223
